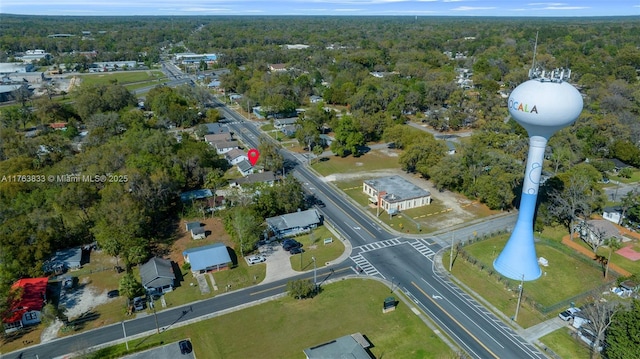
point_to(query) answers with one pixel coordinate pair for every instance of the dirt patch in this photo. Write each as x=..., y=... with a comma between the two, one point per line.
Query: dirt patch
x=82, y=300
x=215, y=234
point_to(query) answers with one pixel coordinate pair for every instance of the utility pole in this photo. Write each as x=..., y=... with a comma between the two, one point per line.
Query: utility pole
x=451, y=254
x=315, y=285
x=155, y=315
x=515, y=317
x=126, y=342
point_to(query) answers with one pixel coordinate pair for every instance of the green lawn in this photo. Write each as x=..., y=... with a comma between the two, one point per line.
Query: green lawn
x=564, y=345
x=123, y=77
x=313, y=245
x=494, y=292
x=564, y=277
x=283, y=328
x=374, y=160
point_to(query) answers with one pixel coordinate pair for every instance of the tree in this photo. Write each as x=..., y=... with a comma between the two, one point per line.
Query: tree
x=348, y=138
x=215, y=179
x=300, y=288
x=270, y=157
x=129, y=286
x=568, y=203
x=622, y=338
x=613, y=244
x=600, y=315
x=243, y=225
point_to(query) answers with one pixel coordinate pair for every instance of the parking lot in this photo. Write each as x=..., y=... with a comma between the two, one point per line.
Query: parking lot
x=169, y=351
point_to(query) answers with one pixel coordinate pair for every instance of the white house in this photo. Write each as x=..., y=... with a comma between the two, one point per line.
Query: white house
x=236, y=156
x=394, y=194
x=613, y=214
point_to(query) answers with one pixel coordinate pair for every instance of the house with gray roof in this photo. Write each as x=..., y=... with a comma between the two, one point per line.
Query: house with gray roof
x=213, y=257
x=215, y=127
x=157, y=275
x=293, y=224
x=64, y=260
x=267, y=177
x=352, y=346
x=245, y=168
x=394, y=194
x=236, y=156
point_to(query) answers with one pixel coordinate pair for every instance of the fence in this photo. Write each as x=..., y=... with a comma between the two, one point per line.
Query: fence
x=509, y=284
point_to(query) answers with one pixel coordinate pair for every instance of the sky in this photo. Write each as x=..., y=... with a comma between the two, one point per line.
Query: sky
x=571, y=8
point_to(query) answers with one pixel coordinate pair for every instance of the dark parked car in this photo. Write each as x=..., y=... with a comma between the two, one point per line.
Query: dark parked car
x=296, y=250
x=185, y=347
x=288, y=245
x=113, y=293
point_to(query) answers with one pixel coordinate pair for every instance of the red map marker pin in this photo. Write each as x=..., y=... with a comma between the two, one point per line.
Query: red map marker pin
x=254, y=154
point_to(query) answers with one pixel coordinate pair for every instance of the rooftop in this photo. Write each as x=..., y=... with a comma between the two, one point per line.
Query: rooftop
x=299, y=219
x=348, y=347
x=205, y=257
x=157, y=272
x=32, y=298
x=397, y=188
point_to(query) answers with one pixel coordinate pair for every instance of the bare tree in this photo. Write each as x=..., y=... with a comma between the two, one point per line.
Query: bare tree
x=599, y=315
x=569, y=204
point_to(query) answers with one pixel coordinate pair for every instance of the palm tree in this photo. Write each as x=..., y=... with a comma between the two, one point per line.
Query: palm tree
x=614, y=244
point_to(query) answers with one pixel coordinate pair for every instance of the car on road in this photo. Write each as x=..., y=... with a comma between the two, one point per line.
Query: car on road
x=568, y=314
x=185, y=347
x=256, y=259
x=296, y=250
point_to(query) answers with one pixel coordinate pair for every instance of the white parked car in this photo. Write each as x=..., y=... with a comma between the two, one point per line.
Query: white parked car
x=256, y=259
x=568, y=314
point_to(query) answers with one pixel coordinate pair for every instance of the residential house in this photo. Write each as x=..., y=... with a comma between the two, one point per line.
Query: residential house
x=61, y=126
x=277, y=67
x=157, y=275
x=26, y=308
x=215, y=127
x=213, y=257
x=289, y=130
x=223, y=147
x=613, y=214
x=267, y=177
x=64, y=260
x=236, y=156
x=326, y=140
x=315, y=99
x=211, y=139
x=282, y=122
x=596, y=231
x=245, y=168
x=293, y=224
x=194, y=195
x=352, y=346
x=394, y=194
x=451, y=147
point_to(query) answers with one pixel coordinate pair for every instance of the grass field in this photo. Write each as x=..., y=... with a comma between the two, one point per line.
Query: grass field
x=124, y=77
x=313, y=245
x=284, y=327
x=564, y=345
x=374, y=160
x=564, y=278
